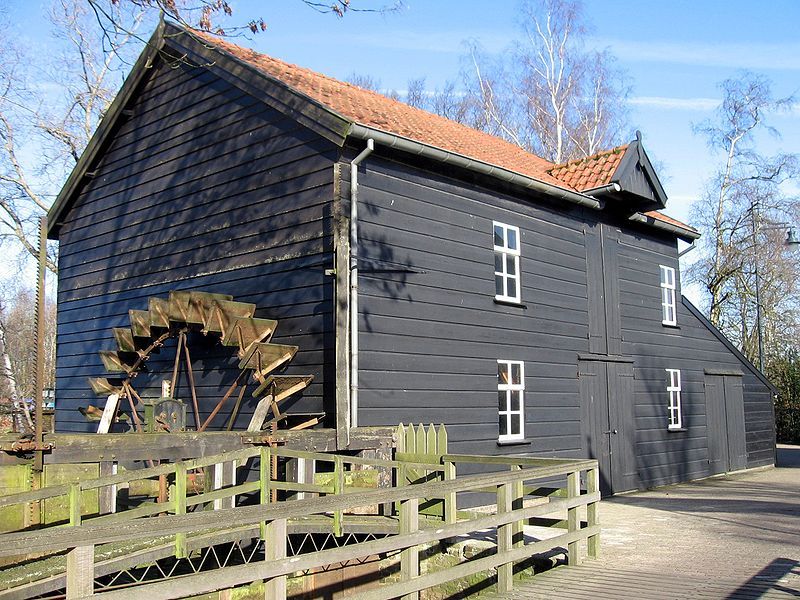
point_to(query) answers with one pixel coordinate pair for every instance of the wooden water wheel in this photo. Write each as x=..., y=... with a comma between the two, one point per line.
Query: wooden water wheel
x=217, y=316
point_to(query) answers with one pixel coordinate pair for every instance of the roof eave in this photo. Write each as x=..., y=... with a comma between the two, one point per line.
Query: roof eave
x=728, y=344
x=684, y=233
x=407, y=145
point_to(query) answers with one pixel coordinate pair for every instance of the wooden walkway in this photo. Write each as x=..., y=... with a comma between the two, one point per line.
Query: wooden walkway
x=595, y=581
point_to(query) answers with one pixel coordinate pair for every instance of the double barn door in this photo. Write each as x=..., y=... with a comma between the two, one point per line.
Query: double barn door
x=725, y=422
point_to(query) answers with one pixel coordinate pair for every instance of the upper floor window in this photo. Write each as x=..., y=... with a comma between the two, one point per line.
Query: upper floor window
x=668, y=314
x=506, y=262
x=674, y=406
x=511, y=399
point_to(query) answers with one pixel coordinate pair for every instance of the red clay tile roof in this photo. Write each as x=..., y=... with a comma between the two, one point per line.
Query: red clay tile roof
x=667, y=219
x=392, y=116
x=590, y=172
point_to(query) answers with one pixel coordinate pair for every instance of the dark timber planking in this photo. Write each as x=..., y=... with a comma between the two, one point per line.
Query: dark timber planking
x=223, y=180
x=691, y=347
x=439, y=226
x=146, y=225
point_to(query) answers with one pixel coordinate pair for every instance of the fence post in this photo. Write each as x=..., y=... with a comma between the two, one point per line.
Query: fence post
x=338, y=488
x=275, y=549
x=80, y=572
x=265, y=480
x=80, y=560
x=573, y=522
x=450, y=502
x=180, y=506
x=592, y=511
x=409, y=558
x=517, y=497
x=505, y=571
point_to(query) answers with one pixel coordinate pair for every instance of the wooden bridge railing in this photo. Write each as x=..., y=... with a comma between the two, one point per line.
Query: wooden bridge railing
x=519, y=479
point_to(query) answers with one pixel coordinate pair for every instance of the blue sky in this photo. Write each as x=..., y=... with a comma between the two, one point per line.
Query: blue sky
x=675, y=53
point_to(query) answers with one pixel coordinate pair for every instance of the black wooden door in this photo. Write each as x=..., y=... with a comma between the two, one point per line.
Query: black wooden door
x=607, y=421
x=725, y=423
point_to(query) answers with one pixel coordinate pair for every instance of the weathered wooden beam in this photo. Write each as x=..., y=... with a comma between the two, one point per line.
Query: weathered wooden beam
x=260, y=414
x=505, y=539
x=275, y=550
x=109, y=412
x=593, y=511
x=573, y=520
x=341, y=309
x=124, y=447
x=80, y=572
x=409, y=557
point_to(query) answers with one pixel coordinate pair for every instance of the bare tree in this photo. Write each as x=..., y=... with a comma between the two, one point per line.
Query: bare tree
x=211, y=16
x=49, y=112
x=18, y=346
x=746, y=270
x=549, y=94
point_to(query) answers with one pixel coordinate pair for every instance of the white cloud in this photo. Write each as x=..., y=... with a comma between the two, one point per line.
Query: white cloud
x=667, y=103
x=757, y=56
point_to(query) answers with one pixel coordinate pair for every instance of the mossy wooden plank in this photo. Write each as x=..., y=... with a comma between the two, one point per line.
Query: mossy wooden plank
x=223, y=313
x=124, y=339
x=105, y=386
x=283, y=386
x=56, y=510
x=140, y=323
x=264, y=358
x=159, y=313
x=201, y=304
x=249, y=330
x=13, y=480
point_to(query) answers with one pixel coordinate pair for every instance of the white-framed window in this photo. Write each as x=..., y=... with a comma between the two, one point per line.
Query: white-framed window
x=506, y=262
x=674, y=391
x=668, y=314
x=511, y=399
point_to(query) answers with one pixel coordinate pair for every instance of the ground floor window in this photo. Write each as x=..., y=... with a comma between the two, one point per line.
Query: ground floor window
x=674, y=392
x=511, y=399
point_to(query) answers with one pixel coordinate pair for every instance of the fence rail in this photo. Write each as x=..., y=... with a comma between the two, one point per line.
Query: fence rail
x=421, y=479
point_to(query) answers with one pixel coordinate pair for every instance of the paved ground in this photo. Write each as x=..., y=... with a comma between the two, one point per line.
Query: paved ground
x=732, y=537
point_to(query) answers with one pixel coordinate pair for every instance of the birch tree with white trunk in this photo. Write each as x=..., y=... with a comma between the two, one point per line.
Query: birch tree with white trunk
x=744, y=214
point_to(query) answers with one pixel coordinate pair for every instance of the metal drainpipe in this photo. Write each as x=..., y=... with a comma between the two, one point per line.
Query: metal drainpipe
x=354, y=280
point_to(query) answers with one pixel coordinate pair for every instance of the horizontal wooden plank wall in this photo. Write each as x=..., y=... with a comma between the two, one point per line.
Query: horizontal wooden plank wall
x=430, y=330
x=665, y=456
x=202, y=188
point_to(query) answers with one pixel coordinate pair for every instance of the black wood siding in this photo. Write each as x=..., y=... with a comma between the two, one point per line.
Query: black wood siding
x=203, y=188
x=430, y=330
x=667, y=456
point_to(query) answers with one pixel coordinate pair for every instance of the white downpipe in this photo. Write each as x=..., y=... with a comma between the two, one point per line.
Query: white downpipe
x=354, y=280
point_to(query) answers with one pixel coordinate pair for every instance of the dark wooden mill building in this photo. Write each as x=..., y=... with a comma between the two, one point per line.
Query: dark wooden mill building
x=531, y=307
